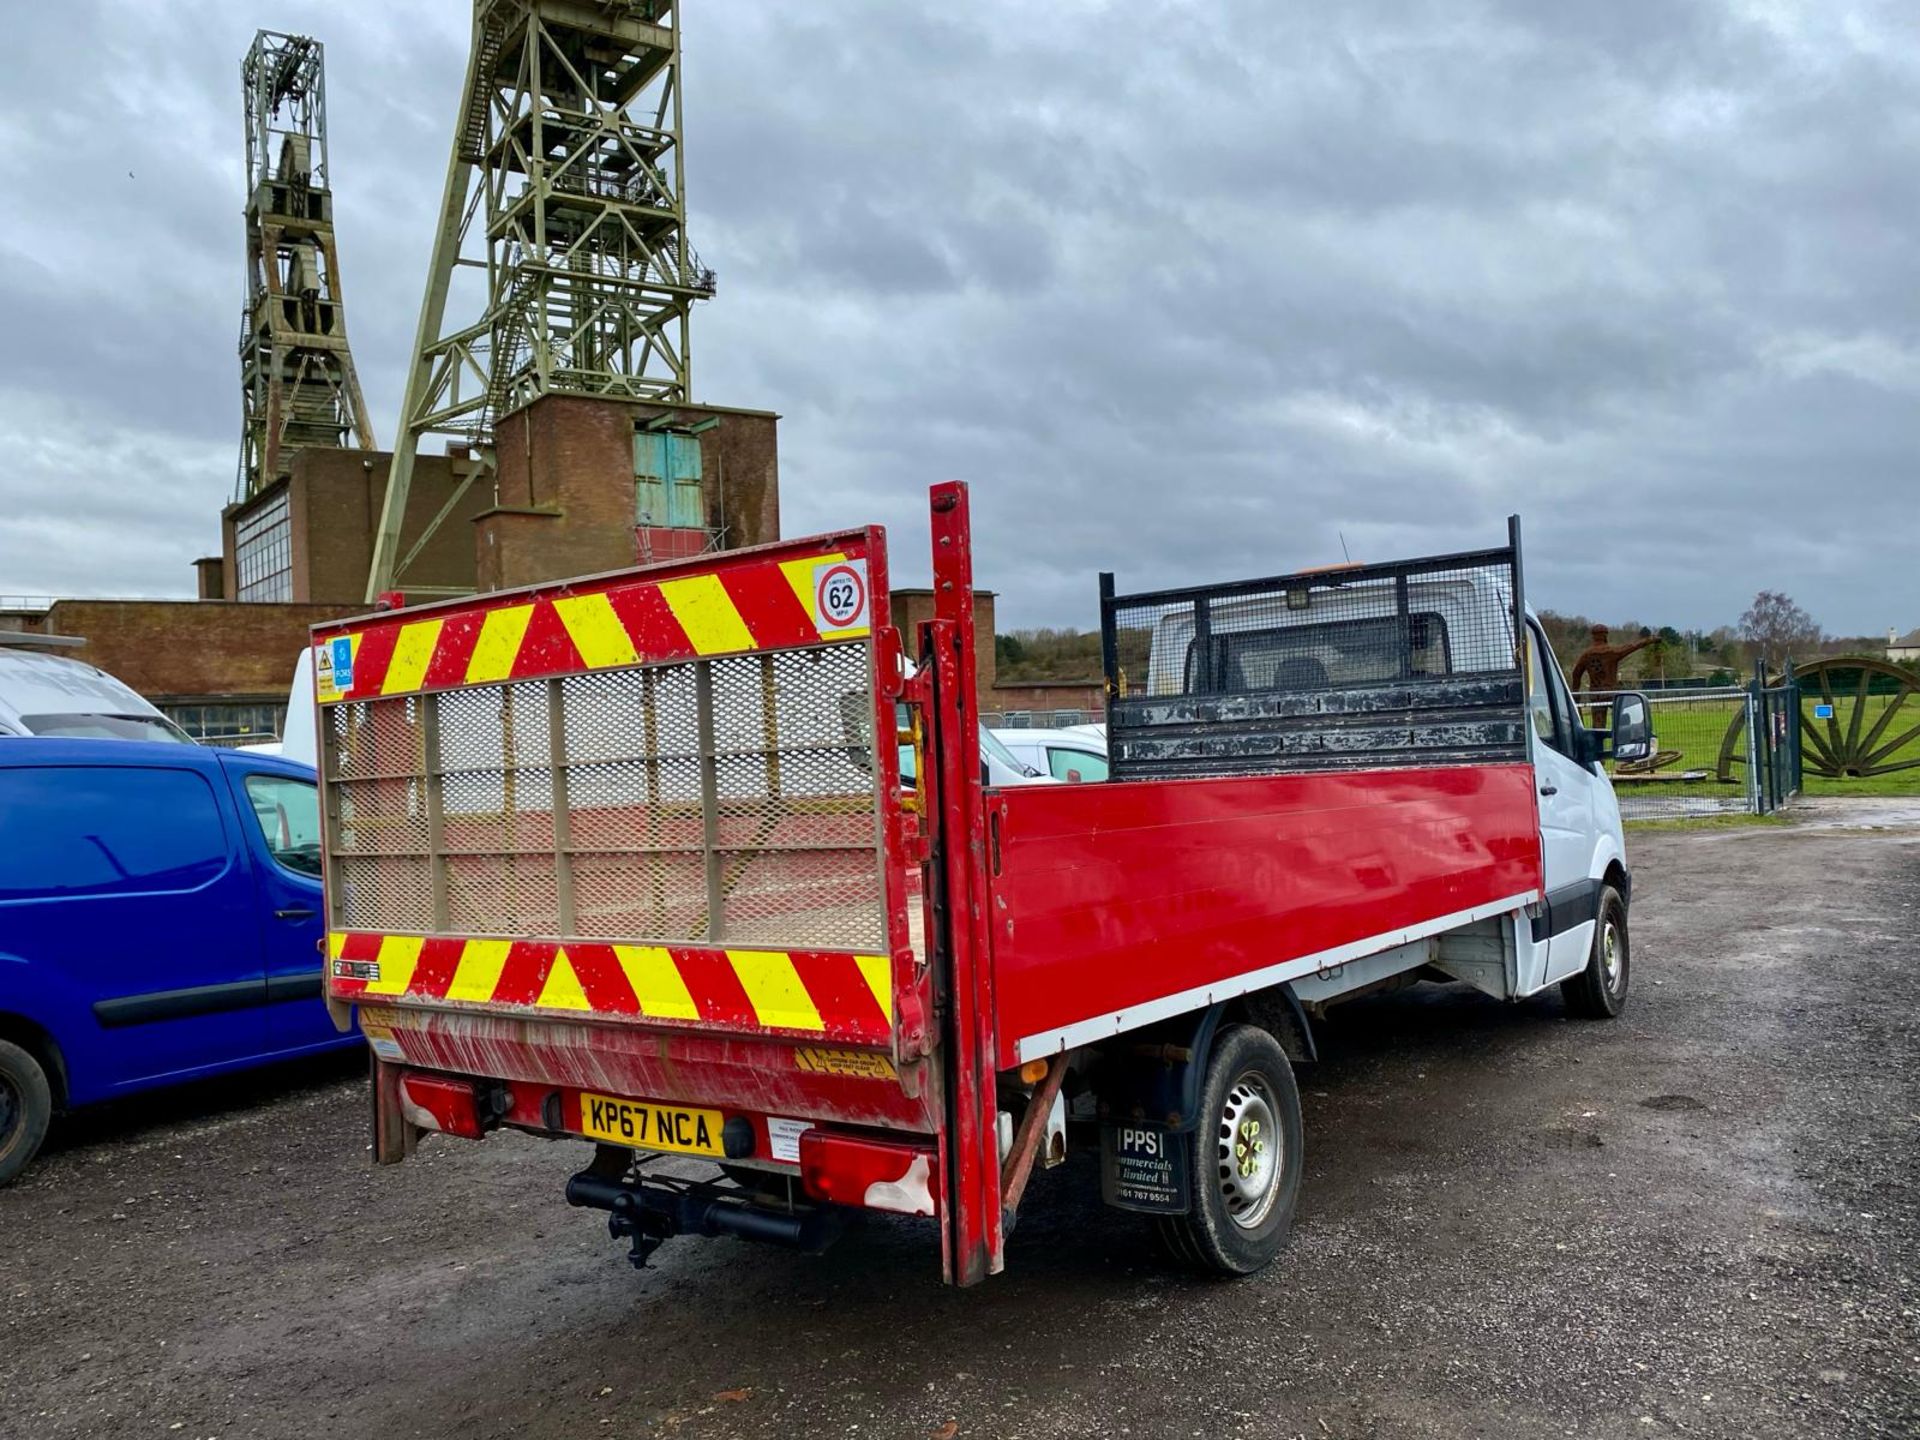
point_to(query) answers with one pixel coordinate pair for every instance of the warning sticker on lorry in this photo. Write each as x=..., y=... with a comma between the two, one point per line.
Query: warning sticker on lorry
x=783, y=1138
x=333, y=667
x=856, y=1064
x=840, y=597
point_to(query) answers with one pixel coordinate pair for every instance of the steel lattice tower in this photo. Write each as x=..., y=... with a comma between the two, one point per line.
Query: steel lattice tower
x=564, y=199
x=297, y=379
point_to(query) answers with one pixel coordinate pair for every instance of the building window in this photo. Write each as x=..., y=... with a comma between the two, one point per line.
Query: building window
x=231, y=722
x=263, y=551
x=666, y=474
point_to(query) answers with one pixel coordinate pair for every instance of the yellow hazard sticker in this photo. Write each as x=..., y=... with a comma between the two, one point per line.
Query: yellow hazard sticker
x=380, y=1039
x=333, y=666
x=858, y=1064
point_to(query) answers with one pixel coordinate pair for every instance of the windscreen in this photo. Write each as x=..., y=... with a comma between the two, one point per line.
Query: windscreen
x=105, y=727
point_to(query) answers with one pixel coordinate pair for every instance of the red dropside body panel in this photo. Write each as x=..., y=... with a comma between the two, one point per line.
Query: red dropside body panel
x=1110, y=897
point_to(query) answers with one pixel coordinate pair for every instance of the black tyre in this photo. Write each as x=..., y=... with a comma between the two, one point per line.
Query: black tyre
x=1599, y=992
x=26, y=1105
x=1245, y=1158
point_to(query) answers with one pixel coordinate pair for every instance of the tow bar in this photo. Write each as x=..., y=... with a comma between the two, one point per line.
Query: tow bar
x=649, y=1213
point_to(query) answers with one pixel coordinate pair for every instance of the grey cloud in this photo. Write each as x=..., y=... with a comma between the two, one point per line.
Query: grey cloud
x=1183, y=289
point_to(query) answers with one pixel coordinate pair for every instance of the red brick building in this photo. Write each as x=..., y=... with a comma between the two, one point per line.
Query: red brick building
x=579, y=485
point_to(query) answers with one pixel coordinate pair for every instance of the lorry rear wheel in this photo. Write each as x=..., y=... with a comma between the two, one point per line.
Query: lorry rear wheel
x=1244, y=1158
x=26, y=1107
x=1599, y=992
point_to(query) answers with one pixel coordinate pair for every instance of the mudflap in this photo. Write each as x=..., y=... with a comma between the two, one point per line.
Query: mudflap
x=1144, y=1168
x=394, y=1136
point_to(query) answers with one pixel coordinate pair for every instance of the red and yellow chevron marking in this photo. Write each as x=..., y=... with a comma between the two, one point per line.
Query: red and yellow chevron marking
x=751, y=600
x=816, y=993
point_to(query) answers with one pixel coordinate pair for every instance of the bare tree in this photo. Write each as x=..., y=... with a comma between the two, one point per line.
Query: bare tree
x=1776, y=629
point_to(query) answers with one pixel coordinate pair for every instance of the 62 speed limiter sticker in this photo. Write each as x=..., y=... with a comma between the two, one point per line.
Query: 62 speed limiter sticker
x=840, y=595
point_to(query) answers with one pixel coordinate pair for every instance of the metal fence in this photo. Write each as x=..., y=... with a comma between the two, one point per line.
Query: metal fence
x=1705, y=746
x=1777, y=720
x=1040, y=719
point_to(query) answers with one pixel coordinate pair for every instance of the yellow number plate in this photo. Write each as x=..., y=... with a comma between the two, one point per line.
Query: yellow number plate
x=651, y=1127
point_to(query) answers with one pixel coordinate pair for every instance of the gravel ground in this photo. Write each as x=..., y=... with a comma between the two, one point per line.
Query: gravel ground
x=1703, y=1219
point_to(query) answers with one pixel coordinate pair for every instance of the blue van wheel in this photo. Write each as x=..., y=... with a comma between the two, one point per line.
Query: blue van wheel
x=26, y=1105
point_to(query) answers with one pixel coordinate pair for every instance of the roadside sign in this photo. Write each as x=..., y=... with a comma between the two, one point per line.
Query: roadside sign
x=1823, y=711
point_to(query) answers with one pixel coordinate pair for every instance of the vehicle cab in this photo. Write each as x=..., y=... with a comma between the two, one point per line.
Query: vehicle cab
x=1321, y=644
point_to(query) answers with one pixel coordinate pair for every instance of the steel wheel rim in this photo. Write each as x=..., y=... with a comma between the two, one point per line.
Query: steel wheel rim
x=1249, y=1151
x=1613, y=968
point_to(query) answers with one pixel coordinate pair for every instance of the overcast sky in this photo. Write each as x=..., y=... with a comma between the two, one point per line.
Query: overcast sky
x=1186, y=291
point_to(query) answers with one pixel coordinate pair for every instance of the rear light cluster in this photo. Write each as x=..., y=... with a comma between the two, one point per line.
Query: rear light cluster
x=453, y=1107
x=873, y=1174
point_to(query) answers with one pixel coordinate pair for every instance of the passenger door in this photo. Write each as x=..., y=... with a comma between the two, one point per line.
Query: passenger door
x=281, y=818
x=126, y=888
x=1565, y=787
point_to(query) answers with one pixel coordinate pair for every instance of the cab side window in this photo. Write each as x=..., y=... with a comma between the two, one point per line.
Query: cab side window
x=1076, y=765
x=1547, y=701
x=1564, y=710
x=288, y=813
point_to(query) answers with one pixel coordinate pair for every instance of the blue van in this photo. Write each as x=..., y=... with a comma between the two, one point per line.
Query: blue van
x=160, y=919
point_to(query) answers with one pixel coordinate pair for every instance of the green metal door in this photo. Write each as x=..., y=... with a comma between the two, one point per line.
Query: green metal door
x=666, y=475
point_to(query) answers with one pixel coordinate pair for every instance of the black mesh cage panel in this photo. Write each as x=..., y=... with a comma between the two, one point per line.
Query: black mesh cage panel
x=1411, y=663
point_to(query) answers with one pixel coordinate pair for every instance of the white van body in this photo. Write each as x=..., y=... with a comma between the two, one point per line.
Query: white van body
x=297, y=740
x=1071, y=755
x=43, y=693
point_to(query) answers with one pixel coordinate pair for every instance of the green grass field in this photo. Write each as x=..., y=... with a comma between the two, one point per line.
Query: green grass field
x=1698, y=729
x=1734, y=820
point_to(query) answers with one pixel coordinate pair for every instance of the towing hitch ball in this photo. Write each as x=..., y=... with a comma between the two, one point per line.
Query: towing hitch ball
x=647, y=1230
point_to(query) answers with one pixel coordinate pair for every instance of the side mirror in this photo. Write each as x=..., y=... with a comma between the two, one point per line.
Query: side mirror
x=1632, y=735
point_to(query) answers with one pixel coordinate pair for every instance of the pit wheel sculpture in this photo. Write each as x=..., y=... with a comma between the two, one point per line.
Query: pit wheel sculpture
x=1659, y=760
x=1861, y=733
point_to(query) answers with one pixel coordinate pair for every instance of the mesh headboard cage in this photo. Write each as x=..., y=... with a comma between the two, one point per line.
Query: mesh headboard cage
x=1410, y=663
